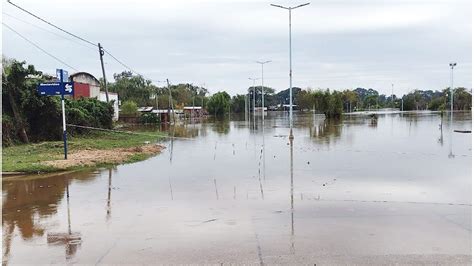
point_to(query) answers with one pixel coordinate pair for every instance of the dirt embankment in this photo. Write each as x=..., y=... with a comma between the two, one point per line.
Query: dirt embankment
x=92, y=157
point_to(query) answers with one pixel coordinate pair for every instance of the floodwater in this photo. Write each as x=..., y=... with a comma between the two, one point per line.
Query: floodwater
x=358, y=190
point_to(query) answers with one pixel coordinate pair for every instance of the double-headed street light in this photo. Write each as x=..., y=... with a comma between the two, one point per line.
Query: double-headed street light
x=263, y=93
x=291, y=74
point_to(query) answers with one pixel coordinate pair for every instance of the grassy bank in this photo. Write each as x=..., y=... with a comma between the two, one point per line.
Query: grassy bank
x=30, y=158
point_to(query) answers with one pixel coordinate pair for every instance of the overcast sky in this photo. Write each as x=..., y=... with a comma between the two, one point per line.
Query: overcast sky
x=337, y=44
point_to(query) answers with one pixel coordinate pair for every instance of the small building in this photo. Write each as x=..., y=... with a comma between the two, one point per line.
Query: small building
x=113, y=96
x=194, y=111
x=85, y=85
x=88, y=86
x=145, y=109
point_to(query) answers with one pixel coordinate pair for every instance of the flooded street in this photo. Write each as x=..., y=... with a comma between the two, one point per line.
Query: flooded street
x=358, y=190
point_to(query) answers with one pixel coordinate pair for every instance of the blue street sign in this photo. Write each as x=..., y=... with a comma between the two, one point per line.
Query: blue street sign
x=56, y=88
x=65, y=75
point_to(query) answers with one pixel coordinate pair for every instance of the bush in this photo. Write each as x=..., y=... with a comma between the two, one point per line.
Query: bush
x=149, y=118
x=129, y=108
x=8, y=131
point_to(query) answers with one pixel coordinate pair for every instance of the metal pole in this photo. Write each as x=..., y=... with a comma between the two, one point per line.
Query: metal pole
x=291, y=79
x=170, y=102
x=291, y=70
x=64, y=114
x=101, y=53
x=263, y=101
x=392, y=97
x=263, y=93
x=245, y=110
x=451, y=155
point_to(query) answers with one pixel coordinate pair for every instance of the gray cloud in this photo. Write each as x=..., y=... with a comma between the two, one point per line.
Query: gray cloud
x=337, y=44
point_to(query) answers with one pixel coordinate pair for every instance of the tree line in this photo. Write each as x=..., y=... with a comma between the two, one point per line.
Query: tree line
x=28, y=117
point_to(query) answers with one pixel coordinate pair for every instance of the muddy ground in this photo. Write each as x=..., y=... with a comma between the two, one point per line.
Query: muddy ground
x=92, y=157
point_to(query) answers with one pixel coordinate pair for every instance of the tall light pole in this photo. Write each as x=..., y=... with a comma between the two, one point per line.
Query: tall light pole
x=263, y=93
x=451, y=155
x=253, y=110
x=392, y=97
x=291, y=72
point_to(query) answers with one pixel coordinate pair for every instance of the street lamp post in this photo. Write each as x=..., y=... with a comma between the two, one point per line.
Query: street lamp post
x=451, y=155
x=253, y=110
x=263, y=93
x=291, y=73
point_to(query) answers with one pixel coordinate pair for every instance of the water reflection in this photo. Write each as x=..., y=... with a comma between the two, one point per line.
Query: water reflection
x=292, y=208
x=24, y=201
x=71, y=241
x=326, y=130
x=209, y=195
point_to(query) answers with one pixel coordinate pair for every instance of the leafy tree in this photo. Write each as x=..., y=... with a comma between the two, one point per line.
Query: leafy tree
x=238, y=103
x=219, y=103
x=462, y=99
x=269, y=96
x=132, y=87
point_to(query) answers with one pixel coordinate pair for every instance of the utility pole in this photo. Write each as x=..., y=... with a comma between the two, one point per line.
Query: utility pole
x=101, y=53
x=291, y=71
x=170, y=100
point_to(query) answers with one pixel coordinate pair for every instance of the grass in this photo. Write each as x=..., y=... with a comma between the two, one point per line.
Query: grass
x=27, y=157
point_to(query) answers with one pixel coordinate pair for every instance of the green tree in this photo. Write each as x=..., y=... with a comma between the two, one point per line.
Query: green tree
x=219, y=103
x=238, y=103
x=132, y=87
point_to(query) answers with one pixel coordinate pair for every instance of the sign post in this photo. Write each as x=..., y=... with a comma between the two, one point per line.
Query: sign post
x=61, y=81
x=62, y=88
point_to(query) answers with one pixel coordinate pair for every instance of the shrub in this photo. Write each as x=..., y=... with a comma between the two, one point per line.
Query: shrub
x=129, y=108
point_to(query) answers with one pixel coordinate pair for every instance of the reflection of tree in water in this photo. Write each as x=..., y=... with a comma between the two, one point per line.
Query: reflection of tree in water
x=25, y=199
x=374, y=120
x=181, y=131
x=326, y=131
x=221, y=126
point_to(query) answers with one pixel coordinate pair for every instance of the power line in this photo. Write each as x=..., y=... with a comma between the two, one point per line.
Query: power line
x=46, y=30
x=37, y=46
x=51, y=24
x=80, y=38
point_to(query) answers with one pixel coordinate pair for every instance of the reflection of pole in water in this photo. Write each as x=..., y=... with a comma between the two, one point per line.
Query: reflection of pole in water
x=109, y=209
x=171, y=187
x=70, y=240
x=171, y=161
x=171, y=144
x=215, y=186
x=291, y=198
x=263, y=147
x=440, y=140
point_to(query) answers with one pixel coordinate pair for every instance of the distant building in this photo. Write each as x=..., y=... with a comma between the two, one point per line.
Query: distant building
x=195, y=111
x=145, y=109
x=88, y=86
x=85, y=85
